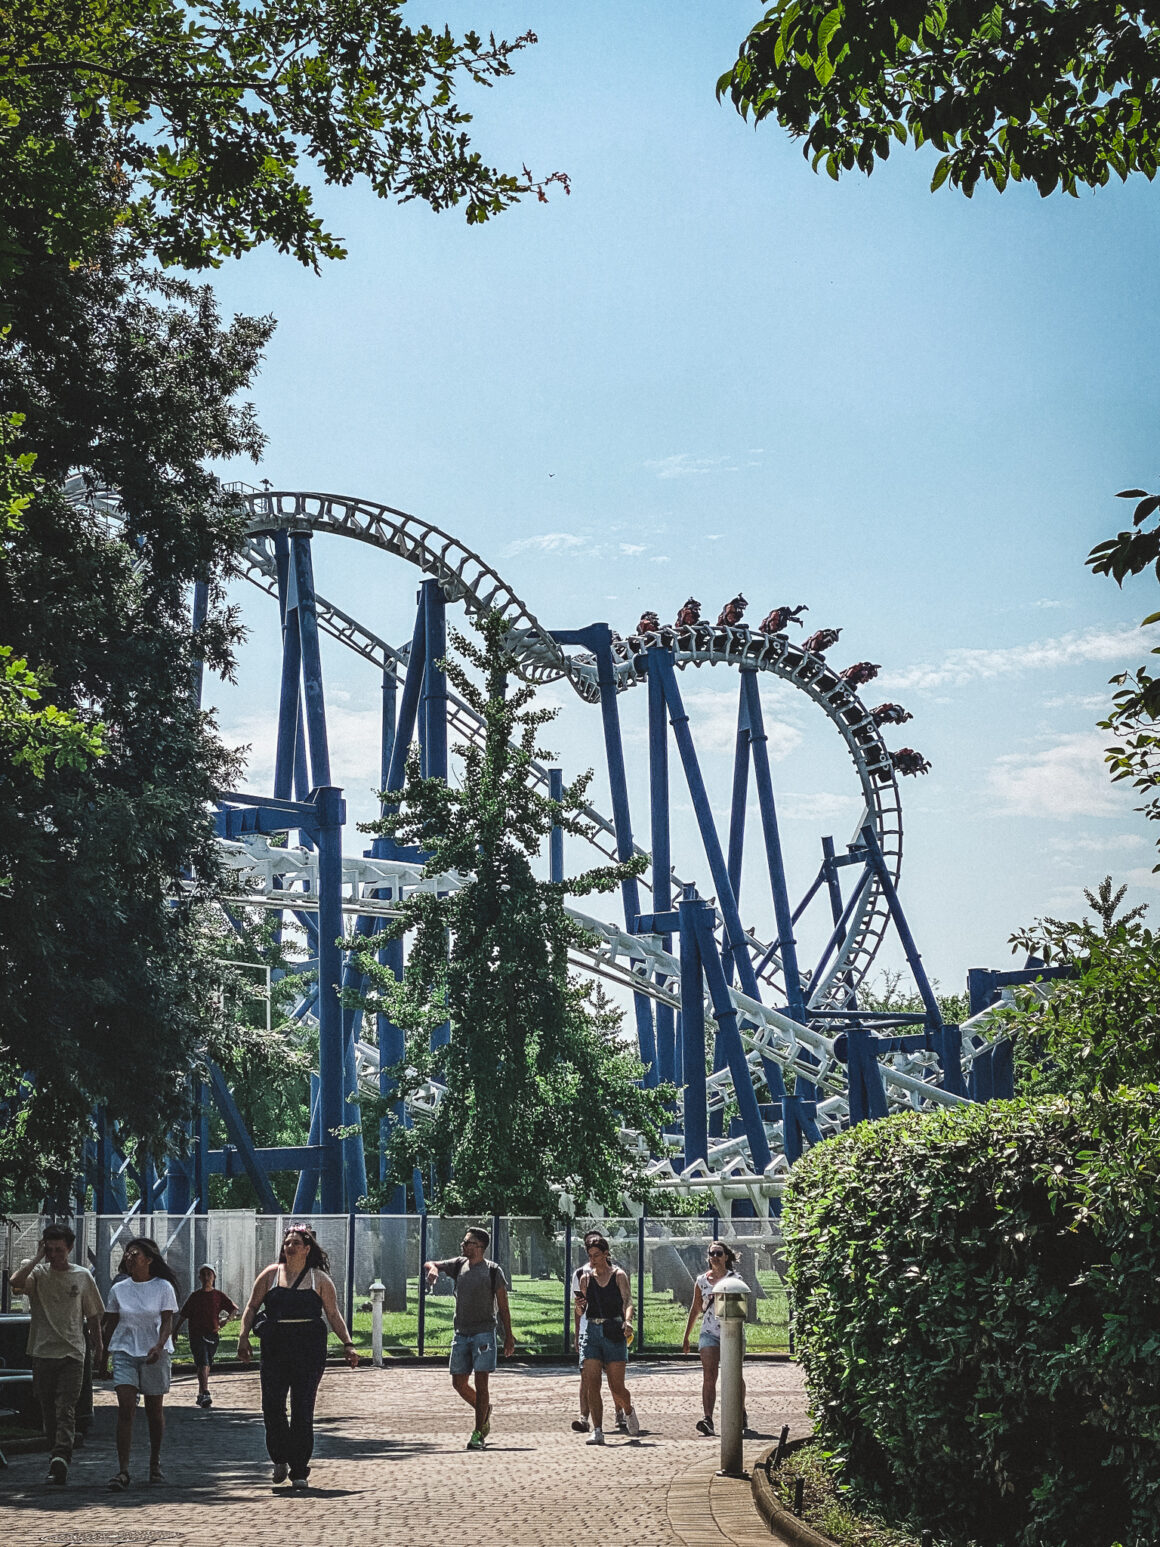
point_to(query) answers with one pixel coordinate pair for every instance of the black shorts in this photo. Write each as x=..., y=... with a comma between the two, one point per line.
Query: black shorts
x=203, y=1349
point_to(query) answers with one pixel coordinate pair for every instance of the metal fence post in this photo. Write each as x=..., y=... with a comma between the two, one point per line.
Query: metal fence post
x=422, y=1282
x=567, y=1288
x=350, y=1273
x=640, y=1283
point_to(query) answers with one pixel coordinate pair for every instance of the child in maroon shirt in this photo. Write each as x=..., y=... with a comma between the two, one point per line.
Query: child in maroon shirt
x=206, y=1310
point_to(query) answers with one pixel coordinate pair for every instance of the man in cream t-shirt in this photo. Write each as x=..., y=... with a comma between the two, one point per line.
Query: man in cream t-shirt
x=63, y=1298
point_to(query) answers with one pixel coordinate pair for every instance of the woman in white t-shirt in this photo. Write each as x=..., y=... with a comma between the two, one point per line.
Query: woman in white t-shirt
x=138, y=1325
x=722, y=1260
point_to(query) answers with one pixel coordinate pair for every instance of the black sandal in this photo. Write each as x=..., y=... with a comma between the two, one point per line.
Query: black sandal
x=119, y=1483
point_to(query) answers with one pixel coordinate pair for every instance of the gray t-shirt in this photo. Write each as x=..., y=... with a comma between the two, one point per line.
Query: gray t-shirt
x=474, y=1296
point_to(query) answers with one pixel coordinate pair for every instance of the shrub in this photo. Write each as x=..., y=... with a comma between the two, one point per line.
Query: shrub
x=977, y=1295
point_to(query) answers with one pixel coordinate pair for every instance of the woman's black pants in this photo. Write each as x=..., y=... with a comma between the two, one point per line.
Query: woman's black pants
x=292, y=1366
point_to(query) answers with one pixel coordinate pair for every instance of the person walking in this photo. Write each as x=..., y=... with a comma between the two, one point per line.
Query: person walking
x=289, y=1308
x=608, y=1308
x=480, y=1289
x=580, y=1328
x=63, y=1300
x=206, y=1310
x=722, y=1260
x=139, y=1325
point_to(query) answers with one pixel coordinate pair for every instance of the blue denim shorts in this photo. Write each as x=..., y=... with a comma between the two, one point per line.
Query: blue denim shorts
x=472, y=1351
x=600, y=1345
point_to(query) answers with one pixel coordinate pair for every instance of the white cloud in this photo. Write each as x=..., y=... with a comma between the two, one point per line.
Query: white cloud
x=968, y=665
x=1064, y=780
x=1045, y=601
x=547, y=542
x=630, y=550
x=1114, y=842
x=661, y=558
x=818, y=806
x=684, y=465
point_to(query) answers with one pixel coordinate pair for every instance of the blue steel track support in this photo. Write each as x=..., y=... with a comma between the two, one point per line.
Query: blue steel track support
x=726, y=901
x=787, y=947
x=729, y=1040
x=433, y=718
x=313, y=701
x=662, y=865
x=306, y=1192
x=947, y=1040
x=598, y=638
x=200, y=612
x=556, y=836
x=695, y=1091
x=332, y=1114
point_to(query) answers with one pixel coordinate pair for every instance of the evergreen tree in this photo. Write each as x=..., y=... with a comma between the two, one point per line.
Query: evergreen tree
x=537, y=1083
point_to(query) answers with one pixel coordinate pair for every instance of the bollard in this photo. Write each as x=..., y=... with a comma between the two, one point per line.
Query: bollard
x=730, y=1297
x=378, y=1290
x=799, y=1488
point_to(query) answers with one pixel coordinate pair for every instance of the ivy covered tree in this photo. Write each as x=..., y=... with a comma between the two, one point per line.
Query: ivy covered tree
x=537, y=1082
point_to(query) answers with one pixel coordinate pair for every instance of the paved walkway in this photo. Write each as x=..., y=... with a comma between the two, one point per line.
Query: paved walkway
x=390, y=1468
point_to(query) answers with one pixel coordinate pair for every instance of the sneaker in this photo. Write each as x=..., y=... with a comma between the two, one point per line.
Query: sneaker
x=704, y=1426
x=281, y=1472
x=597, y=1437
x=632, y=1422
x=476, y=1440
x=621, y=1422
x=580, y=1425
x=486, y=1430
x=57, y=1472
x=299, y=1484
x=208, y=1400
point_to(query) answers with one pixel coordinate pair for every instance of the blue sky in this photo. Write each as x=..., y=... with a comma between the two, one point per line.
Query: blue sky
x=709, y=368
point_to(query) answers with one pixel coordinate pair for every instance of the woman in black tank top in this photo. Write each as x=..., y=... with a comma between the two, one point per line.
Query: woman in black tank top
x=293, y=1301
x=608, y=1312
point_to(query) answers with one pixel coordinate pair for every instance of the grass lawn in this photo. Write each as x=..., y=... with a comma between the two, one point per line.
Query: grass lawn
x=537, y=1307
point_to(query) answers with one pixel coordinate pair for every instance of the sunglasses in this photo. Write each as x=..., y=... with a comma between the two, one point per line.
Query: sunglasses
x=716, y=1254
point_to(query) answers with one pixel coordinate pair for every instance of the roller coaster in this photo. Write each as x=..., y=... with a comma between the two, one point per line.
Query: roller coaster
x=768, y=1055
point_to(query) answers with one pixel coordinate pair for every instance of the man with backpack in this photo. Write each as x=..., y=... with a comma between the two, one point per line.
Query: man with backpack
x=480, y=1289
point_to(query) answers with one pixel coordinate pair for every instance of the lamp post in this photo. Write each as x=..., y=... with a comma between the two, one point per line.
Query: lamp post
x=730, y=1297
x=378, y=1290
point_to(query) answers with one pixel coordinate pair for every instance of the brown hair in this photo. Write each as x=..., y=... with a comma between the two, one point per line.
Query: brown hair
x=315, y=1256
x=158, y=1267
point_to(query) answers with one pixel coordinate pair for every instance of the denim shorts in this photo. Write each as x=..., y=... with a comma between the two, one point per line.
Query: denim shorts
x=473, y=1351
x=599, y=1344
x=709, y=1340
x=151, y=1380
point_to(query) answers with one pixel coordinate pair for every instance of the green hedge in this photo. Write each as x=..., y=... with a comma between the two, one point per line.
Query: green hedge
x=977, y=1297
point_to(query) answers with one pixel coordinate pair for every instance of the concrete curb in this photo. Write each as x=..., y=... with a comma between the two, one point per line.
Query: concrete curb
x=784, y=1522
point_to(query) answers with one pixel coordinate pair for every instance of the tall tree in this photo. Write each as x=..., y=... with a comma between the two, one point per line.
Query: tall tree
x=198, y=118
x=135, y=133
x=1052, y=93
x=537, y=1084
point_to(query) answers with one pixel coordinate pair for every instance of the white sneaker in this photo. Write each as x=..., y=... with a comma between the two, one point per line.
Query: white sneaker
x=597, y=1437
x=300, y=1485
x=632, y=1422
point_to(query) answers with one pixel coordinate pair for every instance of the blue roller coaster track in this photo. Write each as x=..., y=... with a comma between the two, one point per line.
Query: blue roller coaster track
x=739, y=1024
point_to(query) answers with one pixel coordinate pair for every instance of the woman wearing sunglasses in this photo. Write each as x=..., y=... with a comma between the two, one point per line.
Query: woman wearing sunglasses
x=722, y=1260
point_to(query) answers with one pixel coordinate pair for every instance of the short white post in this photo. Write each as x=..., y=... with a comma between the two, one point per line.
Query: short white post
x=378, y=1290
x=730, y=1295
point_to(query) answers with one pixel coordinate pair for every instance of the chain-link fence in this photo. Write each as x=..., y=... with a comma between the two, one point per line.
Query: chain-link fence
x=662, y=1257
